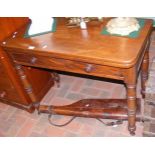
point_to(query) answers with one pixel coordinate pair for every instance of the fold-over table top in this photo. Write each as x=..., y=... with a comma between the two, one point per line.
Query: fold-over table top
x=83, y=45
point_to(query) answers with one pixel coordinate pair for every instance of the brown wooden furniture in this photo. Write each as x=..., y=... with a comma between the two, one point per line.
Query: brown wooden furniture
x=88, y=52
x=12, y=90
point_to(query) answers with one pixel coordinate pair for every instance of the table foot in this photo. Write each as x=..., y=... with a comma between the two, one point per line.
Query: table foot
x=132, y=130
x=56, y=78
x=132, y=133
x=143, y=93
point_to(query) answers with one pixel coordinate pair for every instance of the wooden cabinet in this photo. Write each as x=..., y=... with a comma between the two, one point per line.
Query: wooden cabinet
x=13, y=90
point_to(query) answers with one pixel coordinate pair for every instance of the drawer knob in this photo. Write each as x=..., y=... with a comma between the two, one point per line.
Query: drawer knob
x=33, y=60
x=89, y=68
x=2, y=94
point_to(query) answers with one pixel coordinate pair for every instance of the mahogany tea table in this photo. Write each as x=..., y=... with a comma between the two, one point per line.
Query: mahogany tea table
x=91, y=53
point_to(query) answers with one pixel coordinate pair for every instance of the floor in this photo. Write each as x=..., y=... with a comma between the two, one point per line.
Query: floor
x=18, y=123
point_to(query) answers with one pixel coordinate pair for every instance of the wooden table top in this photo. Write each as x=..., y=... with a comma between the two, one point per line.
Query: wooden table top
x=85, y=45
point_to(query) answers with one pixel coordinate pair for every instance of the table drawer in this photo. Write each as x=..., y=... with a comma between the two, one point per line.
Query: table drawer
x=66, y=65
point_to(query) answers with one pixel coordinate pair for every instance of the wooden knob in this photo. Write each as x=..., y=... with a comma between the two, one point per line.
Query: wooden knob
x=2, y=94
x=33, y=60
x=89, y=68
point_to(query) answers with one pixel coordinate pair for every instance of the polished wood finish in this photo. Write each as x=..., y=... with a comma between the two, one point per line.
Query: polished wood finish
x=12, y=89
x=87, y=52
x=94, y=108
x=50, y=62
x=9, y=25
x=89, y=45
x=42, y=83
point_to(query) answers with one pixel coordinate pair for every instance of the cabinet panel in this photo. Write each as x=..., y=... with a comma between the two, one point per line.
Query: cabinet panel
x=11, y=86
x=7, y=91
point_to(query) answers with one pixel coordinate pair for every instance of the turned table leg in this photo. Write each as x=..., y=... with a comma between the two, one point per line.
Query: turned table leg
x=144, y=73
x=27, y=85
x=130, y=81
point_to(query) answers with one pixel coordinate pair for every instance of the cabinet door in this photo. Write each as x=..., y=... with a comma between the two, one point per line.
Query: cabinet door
x=7, y=89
